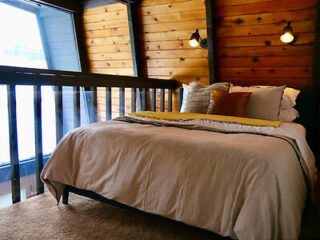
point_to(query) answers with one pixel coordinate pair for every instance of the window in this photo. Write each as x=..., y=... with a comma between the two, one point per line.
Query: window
x=34, y=36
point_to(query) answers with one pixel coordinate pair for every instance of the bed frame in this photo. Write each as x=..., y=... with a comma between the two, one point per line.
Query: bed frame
x=308, y=107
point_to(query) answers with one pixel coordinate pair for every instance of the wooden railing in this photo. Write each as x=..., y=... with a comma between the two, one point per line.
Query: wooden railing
x=13, y=76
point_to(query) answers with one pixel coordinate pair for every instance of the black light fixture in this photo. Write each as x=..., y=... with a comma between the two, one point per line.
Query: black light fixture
x=195, y=40
x=288, y=36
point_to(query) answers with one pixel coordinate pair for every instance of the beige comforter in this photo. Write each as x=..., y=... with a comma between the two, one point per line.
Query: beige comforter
x=242, y=185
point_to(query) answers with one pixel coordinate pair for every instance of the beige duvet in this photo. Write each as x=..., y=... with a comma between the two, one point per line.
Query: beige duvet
x=242, y=185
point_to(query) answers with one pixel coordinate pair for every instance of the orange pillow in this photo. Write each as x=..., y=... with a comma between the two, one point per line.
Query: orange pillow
x=228, y=104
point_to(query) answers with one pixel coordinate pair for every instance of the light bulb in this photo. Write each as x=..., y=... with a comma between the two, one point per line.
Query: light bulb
x=287, y=37
x=193, y=43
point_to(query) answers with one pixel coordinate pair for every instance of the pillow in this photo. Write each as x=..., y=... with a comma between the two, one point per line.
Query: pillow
x=186, y=88
x=289, y=98
x=228, y=104
x=288, y=115
x=287, y=112
x=264, y=103
x=198, y=96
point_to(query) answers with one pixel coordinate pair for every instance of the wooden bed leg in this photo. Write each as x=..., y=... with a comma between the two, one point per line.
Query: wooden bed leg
x=65, y=196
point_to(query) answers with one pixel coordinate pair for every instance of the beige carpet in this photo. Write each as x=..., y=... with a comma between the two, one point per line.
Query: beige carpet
x=40, y=218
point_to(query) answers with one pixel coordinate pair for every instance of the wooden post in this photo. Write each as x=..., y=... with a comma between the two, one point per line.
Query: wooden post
x=38, y=136
x=154, y=100
x=91, y=93
x=108, y=103
x=133, y=100
x=137, y=60
x=211, y=34
x=316, y=67
x=162, y=100
x=13, y=139
x=122, y=102
x=170, y=100
x=76, y=107
x=59, y=113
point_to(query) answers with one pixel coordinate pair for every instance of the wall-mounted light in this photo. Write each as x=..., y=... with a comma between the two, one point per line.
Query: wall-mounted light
x=195, y=40
x=288, y=36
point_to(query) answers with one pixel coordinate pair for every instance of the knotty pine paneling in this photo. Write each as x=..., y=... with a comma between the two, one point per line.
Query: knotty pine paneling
x=248, y=47
x=109, y=50
x=167, y=27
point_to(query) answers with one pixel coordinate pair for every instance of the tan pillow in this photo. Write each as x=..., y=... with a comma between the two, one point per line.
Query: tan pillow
x=198, y=96
x=264, y=103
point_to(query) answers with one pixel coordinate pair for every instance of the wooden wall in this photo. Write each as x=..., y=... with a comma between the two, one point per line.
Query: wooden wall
x=167, y=27
x=109, y=49
x=248, y=46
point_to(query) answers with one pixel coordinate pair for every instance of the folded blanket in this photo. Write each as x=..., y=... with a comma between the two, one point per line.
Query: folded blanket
x=176, y=116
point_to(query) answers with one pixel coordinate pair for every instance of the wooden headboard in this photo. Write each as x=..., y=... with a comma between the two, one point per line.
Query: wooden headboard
x=308, y=107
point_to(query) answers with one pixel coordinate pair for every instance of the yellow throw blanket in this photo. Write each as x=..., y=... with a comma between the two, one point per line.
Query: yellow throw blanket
x=176, y=116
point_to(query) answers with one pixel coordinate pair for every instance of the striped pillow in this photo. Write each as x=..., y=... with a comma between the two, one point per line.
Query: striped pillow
x=197, y=97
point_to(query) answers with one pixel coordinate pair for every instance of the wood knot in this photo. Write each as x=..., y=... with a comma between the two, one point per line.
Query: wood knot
x=239, y=21
x=268, y=43
x=255, y=59
x=259, y=18
x=272, y=71
x=182, y=59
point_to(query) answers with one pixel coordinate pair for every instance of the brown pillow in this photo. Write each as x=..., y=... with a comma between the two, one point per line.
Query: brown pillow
x=228, y=104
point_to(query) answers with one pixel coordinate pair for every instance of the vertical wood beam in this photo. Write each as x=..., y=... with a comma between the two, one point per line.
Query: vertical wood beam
x=316, y=68
x=38, y=136
x=133, y=21
x=91, y=93
x=136, y=51
x=13, y=139
x=211, y=36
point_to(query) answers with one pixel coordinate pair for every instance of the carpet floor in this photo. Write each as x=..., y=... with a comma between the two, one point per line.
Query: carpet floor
x=40, y=218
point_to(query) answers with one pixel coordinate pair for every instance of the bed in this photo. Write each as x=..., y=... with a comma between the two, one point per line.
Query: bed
x=215, y=174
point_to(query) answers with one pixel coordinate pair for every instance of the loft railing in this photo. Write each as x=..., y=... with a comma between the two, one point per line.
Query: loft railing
x=13, y=76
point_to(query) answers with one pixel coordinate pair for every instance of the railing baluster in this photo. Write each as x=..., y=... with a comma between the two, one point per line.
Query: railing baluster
x=59, y=113
x=154, y=100
x=170, y=100
x=76, y=107
x=13, y=138
x=122, y=101
x=108, y=103
x=143, y=99
x=133, y=100
x=162, y=100
x=94, y=105
x=38, y=136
